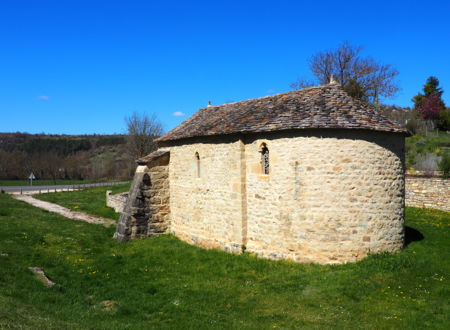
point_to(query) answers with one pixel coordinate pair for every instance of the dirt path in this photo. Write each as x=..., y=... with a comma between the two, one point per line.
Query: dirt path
x=65, y=211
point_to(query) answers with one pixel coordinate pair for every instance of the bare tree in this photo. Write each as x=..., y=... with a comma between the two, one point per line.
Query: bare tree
x=361, y=77
x=76, y=166
x=142, y=130
x=53, y=165
x=301, y=83
x=12, y=165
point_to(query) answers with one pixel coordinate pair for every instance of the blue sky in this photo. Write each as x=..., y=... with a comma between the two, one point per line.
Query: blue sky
x=80, y=67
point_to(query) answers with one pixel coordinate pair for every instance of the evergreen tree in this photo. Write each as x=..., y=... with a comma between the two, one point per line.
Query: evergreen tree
x=431, y=88
x=429, y=105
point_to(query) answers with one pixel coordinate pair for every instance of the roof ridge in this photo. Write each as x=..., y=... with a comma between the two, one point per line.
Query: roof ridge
x=277, y=94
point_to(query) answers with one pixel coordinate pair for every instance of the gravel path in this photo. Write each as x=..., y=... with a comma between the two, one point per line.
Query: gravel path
x=65, y=211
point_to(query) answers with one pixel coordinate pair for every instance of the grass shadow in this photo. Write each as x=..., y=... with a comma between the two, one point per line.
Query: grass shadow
x=412, y=235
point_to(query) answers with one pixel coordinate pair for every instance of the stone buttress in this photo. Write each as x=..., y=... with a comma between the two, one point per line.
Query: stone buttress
x=147, y=211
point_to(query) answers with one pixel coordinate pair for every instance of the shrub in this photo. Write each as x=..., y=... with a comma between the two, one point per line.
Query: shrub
x=411, y=159
x=444, y=165
x=443, y=122
x=416, y=126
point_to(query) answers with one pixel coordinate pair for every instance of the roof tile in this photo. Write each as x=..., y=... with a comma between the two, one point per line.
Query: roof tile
x=325, y=106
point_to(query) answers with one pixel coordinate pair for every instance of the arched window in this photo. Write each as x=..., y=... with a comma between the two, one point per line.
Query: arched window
x=197, y=160
x=265, y=165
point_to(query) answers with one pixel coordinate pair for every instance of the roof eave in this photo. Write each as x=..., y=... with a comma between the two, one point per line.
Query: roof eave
x=404, y=132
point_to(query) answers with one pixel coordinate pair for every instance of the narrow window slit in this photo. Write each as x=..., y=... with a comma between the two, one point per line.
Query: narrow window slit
x=265, y=159
x=197, y=159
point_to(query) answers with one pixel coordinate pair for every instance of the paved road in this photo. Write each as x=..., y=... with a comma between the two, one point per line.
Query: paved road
x=29, y=189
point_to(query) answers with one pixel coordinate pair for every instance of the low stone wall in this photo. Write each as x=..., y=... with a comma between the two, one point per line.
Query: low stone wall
x=428, y=192
x=116, y=201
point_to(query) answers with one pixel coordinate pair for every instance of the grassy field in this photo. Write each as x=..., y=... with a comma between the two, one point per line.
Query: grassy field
x=4, y=183
x=165, y=283
x=92, y=200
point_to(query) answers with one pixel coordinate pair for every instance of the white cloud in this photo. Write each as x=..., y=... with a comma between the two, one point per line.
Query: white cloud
x=178, y=114
x=43, y=97
x=270, y=91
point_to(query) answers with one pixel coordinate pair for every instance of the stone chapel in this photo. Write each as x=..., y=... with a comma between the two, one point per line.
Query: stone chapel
x=310, y=175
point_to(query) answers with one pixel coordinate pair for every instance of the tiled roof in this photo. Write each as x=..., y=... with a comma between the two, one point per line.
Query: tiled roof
x=325, y=106
x=153, y=156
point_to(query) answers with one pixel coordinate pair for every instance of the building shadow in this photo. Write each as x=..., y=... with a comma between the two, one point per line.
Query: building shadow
x=412, y=235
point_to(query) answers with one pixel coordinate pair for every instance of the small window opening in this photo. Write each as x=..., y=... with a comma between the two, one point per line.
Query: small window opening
x=146, y=180
x=265, y=159
x=197, y=159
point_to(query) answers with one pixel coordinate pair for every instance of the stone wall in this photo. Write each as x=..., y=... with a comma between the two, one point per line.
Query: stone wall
x=206, y=194
x=147, y=211
x=428, y=192
x=331, y=196
x=116, y=201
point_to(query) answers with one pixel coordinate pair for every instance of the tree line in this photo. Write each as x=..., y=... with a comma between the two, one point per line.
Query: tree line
x=79, y=157
x=90, y=157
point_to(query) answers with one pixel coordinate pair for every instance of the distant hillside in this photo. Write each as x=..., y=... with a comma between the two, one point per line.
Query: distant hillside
x=53, y=156
x=63, y=145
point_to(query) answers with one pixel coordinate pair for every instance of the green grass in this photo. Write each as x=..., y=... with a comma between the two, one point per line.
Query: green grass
x=165, y=283
x=4, y=183
x=91, y=200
